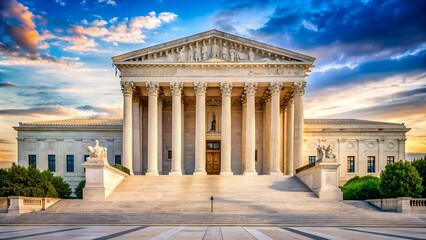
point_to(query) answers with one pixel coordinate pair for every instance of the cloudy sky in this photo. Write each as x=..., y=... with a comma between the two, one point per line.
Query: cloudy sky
x=54, y=54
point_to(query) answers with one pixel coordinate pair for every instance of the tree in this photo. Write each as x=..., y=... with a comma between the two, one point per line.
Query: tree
x=27, y=182
x=62, y=188
x=361, y=188
x=79, y=189
x=420, y=165
x=400, y=179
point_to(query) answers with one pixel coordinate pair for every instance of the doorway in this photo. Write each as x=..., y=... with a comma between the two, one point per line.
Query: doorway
x=213, y=158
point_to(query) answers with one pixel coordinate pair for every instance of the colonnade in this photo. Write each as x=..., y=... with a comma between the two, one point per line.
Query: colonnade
x=293, y=128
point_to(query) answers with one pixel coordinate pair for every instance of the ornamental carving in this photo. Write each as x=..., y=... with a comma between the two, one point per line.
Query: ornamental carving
x=299, y=87
x=214, y=102
x=250, y=88
x=226, y=88
x=275, y=88
x=176, y=88
x=136, y=95
x=200, y=88
x=127, y=88
x=152, y=88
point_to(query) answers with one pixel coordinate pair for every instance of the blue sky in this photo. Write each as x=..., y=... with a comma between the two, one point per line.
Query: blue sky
x=55, y=55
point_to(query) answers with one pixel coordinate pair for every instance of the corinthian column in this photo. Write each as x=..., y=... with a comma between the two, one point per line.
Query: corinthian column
x=299, y=92
x=250, y=92
x=176, y=90
x=152, y=89
x=290, y=135
x=127, y=89
x=275, y=89
x=200, y=128
x=226, y=89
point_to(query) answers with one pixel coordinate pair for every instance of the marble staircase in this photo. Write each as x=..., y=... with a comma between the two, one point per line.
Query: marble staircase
x=241, y=200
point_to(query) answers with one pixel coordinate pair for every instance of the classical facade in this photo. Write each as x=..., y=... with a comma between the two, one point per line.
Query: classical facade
x=213, y=103
x=215, y=99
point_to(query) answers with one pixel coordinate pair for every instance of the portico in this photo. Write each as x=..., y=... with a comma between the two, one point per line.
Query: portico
x=238, y=107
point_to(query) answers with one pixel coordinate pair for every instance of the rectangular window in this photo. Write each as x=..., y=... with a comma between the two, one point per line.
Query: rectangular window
x=52, y=162
x=351, y=164
x=169, y=155
x=371, y=164
x=118, y=159
x=70, y=163
x=32, y=160
x=311, y=159
x=390, y=159
x=85, y=159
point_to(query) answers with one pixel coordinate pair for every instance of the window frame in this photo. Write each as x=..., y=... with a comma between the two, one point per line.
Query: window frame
x=350, y=168
x=311, y=159
x=388, y=159
x=32, y=160
x=70, y=167
x=51, y=162
x=115, y=159
x=371, y=164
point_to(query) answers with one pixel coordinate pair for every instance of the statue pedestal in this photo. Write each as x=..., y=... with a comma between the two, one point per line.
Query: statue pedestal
x=323, y=179
x=101, y=179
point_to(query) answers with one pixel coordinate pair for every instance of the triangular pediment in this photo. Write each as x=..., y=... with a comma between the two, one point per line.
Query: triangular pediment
x=213, y=47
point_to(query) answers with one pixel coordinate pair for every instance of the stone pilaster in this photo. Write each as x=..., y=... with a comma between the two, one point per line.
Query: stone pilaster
x=275, y=89
x=299, y=92
x=127, y=89
x=176, y=90
x=160, y=133
x=137, y=157
x=200, y=128
x=250, y=92
x=226, y=89
x=152, y=89
x=401, y=149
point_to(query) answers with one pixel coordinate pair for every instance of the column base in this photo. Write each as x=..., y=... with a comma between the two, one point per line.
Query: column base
x=152, y=173
x=227, y=173
x=250, y=173
x=200, y=173
x=175, y=173
x=276, y=173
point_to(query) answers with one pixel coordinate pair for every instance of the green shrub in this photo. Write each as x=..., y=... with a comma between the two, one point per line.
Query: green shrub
x=122, y=168
x=62, y=188
x=79, y=189
x=400, y=179
x=27, y=182
x=420, y=165
x=361, y=188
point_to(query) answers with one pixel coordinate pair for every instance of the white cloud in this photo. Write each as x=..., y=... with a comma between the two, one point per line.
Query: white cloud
x=60, y=2
x=109, y=2
x=99, y=23
x=113, y=20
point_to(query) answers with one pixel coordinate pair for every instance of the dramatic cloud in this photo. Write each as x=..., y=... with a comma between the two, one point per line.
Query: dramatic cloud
x=18, y=24
x=7, y=84
x=5, y=141
x=36, y=111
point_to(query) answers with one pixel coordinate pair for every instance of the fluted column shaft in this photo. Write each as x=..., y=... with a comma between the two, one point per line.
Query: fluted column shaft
x=152, y=89
x=127, y=89
x=176, y=90
x=226, y=89
x=299, y=92
x=250, y=92
x=275, y=89
x=290, y=136
x=200, y=128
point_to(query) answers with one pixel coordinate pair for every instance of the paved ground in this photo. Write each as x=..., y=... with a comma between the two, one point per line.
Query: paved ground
x=206, y=232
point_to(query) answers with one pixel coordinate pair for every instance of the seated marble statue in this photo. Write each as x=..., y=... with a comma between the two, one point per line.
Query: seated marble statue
x=329, y=152
x=97, y=151
x=320, y=153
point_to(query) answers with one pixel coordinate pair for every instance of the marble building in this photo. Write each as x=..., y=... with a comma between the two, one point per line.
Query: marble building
x=214, y=103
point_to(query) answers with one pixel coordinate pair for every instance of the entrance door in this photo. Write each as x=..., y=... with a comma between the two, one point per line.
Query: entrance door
x=213, y=158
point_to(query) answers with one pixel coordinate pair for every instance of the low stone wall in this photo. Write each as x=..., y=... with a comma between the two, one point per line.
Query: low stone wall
x=322, y=180
x=101, y=179
x=19, y=205
x=401, y=205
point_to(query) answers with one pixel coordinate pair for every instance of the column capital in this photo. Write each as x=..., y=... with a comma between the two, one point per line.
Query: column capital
x=176, y=88
x=250, y=88
x=275, y=88
x=299, y=87
x=152, y=88
x=226, y=88
x=200, y=88
x=136, y=95
x=127, y=87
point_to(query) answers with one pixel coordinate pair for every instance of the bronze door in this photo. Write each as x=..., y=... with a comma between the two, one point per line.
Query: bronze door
x=213, y=158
